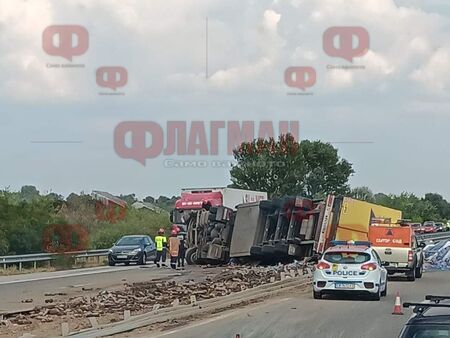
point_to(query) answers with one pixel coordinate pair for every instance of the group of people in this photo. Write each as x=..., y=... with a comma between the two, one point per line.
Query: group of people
x=176, y=246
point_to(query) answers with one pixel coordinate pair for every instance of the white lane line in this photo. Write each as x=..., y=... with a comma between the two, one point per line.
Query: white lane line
x=85, y=273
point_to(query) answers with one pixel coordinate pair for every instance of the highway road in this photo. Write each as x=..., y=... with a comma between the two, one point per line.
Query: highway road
x=299, y=315
x=16, y=289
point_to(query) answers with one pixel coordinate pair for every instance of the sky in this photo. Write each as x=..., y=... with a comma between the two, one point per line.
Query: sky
x=390, y=118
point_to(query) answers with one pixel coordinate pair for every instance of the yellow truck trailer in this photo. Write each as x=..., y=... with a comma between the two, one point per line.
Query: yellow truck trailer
x=349, y=219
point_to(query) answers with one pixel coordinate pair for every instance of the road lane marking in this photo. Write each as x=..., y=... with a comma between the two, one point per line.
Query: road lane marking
x=57, y=276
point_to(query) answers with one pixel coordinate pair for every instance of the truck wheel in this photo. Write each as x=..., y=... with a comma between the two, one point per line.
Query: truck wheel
x=411, y=274
x=317, y=295
x=419, y=271
x=191, y=256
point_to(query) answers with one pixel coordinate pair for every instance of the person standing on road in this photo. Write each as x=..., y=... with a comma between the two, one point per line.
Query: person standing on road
x=174, y=247
x=161, y=243
x=181, y=251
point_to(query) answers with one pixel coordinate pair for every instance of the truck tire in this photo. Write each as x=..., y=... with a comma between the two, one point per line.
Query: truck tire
x=191, y=256
x=317, y=295
x=411, y=274
x=419, y=271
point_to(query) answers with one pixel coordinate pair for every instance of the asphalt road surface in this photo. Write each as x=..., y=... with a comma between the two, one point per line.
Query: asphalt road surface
x=299, y=315
x=16, y=289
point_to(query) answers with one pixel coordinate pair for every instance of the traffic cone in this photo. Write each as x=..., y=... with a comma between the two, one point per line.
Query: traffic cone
x=397, y=305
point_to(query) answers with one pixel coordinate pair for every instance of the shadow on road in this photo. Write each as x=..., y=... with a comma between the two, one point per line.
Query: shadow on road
x=398, y=279
x=347, y=296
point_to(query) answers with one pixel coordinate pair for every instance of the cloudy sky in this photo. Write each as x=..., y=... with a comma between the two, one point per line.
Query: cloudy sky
x=391, y=119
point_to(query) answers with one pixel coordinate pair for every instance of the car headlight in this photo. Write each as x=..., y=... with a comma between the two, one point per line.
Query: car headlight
x=135, y=251
x=110, y=251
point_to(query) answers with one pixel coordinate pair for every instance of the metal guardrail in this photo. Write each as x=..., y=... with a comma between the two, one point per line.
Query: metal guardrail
x=435, y=236
x=48, y=257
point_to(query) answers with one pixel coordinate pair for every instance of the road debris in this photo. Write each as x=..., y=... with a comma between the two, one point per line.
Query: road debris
x=153, y=295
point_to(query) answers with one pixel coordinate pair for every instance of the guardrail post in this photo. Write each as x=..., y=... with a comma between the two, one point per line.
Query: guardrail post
x=35, y=265
x=20, y=266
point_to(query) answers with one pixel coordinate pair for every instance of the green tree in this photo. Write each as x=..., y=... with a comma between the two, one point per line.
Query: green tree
x=441, y=205
x=149, y=199
x=413, y=207
x=362, y=194
x=325, y=171
x=286, y=167
x=130, y=198
x=29, y=193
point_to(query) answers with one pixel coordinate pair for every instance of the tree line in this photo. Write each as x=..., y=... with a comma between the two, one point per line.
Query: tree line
x=28, y=217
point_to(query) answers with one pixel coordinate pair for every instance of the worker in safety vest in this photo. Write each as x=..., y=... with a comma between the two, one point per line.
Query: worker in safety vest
x=174, y=247
x=161, y=243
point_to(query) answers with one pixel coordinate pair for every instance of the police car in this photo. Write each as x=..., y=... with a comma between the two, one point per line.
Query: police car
x=350, y=267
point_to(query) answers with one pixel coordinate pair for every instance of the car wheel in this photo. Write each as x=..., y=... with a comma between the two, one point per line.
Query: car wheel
x=384, y=292
x=411, y=275
x=377, y=296
x=419, y=271
x=317, y=295
x=191, y=256
x=143, y=259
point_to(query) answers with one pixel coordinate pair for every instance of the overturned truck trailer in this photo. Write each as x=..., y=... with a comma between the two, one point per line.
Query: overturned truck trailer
x=277, y=230
x=280, y=229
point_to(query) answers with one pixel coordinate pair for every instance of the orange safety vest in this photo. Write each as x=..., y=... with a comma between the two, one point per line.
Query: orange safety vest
x=174, y=246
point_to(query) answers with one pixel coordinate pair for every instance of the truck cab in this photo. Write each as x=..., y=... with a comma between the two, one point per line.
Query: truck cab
x=398, y=249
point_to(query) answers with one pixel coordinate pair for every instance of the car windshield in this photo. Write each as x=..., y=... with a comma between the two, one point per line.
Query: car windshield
x=347, y=257
x=129, y=241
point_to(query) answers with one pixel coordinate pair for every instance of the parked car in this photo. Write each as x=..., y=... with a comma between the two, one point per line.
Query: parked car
x=135, y=248
x=440, y=226
x=429, y=227
x=350, y=267
x=417, y=227
x=429, y=319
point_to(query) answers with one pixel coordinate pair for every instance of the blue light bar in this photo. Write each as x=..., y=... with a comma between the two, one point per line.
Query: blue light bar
x=359, y=243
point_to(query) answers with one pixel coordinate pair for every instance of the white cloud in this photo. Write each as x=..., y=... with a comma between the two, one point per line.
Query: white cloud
x=435, y=74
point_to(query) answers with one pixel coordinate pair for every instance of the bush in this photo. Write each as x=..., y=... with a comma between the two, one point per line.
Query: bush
x=137, y=222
